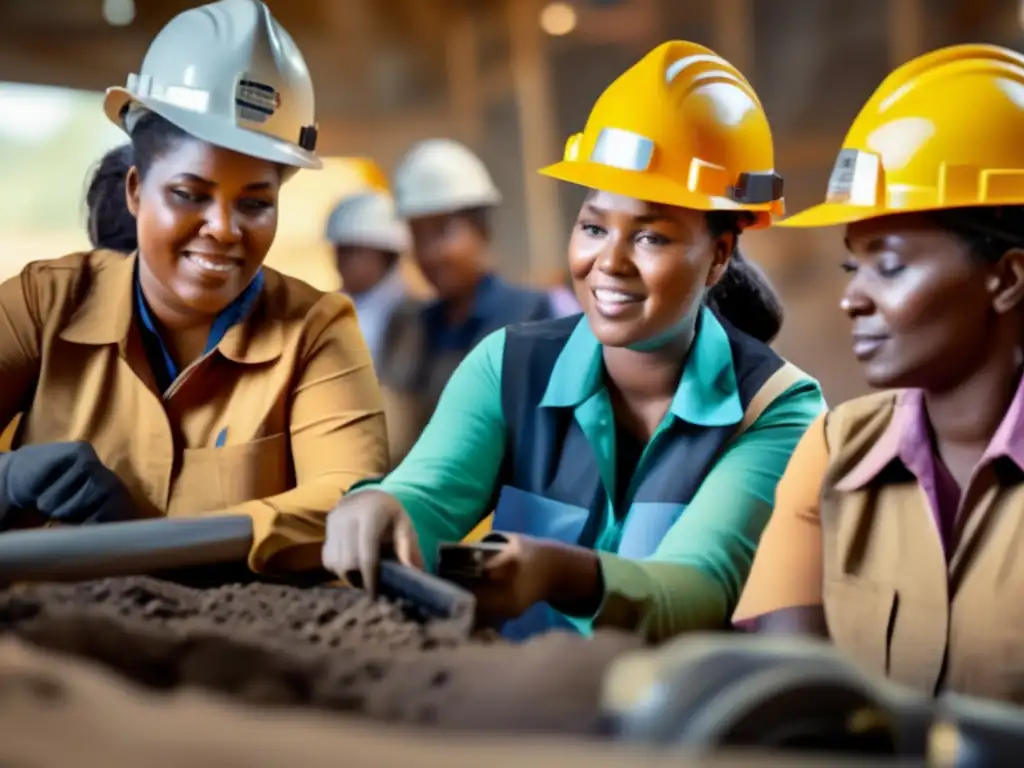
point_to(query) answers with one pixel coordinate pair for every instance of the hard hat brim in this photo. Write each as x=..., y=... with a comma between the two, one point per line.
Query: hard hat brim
x=420, y=209
x=389, y=243
x=213, y=131
x=652, y=188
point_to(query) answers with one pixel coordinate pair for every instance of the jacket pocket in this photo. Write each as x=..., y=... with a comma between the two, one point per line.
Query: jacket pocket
x=217, y=478
x=859, y=614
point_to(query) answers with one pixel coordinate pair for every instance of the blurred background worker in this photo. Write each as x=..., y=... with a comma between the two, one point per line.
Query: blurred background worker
x=563, y=297
x=446, y=194
x=175, y=374
x=368, y=240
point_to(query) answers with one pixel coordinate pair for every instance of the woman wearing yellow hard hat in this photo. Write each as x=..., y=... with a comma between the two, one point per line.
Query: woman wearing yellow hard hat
x=630, y=454
x=899, y=523
x=177, y=375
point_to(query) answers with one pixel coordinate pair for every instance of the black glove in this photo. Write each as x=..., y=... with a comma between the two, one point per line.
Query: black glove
x=62, y=482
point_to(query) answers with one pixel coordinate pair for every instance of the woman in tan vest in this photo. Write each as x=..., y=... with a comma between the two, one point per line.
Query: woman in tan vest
x=169, y=372
x=900, y=518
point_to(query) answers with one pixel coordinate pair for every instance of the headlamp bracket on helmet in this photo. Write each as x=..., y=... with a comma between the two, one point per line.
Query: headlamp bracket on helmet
x=756, y=188
x=855, y=178
x=308, y=135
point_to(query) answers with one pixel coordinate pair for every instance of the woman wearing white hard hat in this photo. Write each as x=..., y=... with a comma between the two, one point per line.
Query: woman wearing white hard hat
x=368, y=240
x=187, y=379
x=447, y=196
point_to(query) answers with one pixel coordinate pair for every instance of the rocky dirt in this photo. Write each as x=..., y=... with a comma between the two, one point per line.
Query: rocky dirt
x=325, y=648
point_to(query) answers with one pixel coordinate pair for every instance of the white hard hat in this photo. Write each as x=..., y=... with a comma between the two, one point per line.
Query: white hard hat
x=230, y=75
x=368, y=219
x=442, y=176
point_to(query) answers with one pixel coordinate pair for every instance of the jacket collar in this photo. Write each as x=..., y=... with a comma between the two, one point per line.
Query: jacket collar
x=105, y=313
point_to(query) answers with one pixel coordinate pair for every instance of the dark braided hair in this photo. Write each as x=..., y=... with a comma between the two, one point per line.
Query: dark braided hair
x=110, y=224
x=743, y=296
x=989, y=231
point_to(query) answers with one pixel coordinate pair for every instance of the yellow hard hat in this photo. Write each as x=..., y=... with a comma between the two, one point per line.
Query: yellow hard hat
x=370, y=174
x=942, y=131
x=681, y=127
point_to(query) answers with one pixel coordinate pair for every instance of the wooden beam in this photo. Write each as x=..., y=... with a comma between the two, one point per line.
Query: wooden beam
x=631, y=23
x=538, y=133
x=31, y=60
x=384, y=139
x=465, y=98
x=733, y=23
x=801, y=153
x=966, y=17
x=905, y=27
x=426, y=19
x=349, y=54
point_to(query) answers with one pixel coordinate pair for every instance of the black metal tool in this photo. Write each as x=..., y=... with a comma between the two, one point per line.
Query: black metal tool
x=465, y=562
x=433, y=596
x=123, y=549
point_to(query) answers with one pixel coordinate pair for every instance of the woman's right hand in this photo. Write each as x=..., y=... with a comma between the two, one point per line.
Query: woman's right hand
x=359, y=527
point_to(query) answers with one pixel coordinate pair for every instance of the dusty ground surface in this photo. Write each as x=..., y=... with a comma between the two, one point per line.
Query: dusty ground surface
x=57, y=712
x=324, y=648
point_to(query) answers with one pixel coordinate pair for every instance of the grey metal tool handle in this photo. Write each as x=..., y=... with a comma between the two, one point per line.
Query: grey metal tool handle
x=122, y=549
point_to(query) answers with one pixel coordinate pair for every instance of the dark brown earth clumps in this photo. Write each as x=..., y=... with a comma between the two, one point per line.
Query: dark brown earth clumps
x=328, y=648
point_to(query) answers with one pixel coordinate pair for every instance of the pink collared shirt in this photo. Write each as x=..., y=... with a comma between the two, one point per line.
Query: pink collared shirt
x=908, y=440
x=787, y=568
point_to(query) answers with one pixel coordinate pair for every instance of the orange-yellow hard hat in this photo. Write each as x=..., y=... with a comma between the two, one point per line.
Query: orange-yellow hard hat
x=945, y=130
x=370, y=174
x=681, y=127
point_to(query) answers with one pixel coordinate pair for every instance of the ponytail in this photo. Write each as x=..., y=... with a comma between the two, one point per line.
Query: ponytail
x=743, y=296
x=110, y=223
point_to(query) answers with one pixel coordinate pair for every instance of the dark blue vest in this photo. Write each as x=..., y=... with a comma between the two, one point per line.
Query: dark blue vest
x=550, y=483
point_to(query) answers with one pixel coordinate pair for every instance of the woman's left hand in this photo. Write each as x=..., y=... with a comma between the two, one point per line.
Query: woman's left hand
x=517, y=577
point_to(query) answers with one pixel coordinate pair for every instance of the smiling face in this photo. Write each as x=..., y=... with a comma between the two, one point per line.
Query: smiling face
x=206, y=220
x=640, y=269
x=926, y=311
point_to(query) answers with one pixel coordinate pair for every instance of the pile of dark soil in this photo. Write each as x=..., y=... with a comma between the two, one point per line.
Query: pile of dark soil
x=326, y=648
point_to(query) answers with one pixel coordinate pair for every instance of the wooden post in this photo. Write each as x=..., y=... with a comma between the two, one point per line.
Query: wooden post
x=734, y=33
x=464, y=86
x=348, y=47
x=538, y=136
x=905, y=29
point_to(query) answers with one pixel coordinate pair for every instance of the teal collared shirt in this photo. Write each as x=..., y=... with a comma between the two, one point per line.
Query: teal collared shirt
x=707, y=396
x=694, y=578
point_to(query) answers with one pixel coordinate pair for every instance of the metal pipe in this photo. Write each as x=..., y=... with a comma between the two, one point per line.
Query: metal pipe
x=123, y=549
x=147, y=547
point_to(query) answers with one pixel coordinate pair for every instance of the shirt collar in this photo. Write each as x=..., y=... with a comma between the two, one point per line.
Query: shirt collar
x=104, y=312
x=104, y=315
x=707, y=394
x=907, y=439
x=1008, y=440
x=904, y=439
x=383, y=295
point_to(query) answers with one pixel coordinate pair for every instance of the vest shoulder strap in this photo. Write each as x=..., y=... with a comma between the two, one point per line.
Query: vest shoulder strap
x=777, y=383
